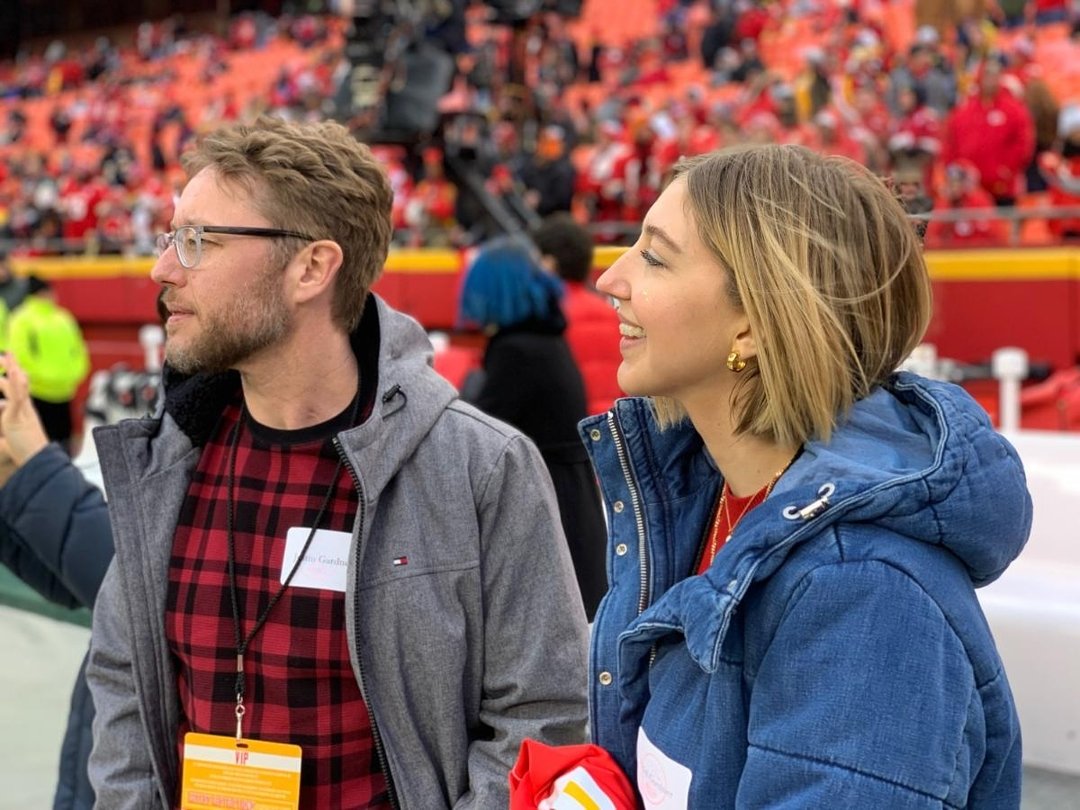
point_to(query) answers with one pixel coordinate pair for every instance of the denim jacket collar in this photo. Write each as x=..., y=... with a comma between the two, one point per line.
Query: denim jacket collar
x=917, y=456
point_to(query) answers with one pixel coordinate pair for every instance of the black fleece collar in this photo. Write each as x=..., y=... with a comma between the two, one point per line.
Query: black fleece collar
x=196, y=401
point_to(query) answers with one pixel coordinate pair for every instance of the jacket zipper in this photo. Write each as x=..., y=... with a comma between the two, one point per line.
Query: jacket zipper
x=704, y=542
x=639, y=519
x=380, y=749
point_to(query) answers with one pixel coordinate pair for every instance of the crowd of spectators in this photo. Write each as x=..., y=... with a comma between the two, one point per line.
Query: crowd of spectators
x=90, y=136
x=561, y=115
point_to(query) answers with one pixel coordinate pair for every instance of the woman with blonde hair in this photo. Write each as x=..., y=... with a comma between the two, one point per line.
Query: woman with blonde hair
x=796, y=528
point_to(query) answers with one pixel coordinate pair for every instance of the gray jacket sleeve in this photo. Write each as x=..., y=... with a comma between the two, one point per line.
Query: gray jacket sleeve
x=536, y=635
x=121, y=771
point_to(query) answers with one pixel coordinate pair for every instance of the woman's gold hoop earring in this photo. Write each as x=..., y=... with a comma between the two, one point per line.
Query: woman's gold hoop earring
x=735, y=363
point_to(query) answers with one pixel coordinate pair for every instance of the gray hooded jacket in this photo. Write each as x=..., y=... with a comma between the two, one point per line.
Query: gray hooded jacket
x=479, y=642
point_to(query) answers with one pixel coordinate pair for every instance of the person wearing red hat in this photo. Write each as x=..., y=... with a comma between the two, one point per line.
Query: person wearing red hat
x=961, y=191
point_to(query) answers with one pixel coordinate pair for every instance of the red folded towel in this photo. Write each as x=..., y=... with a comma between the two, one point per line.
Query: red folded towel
x=568, y=777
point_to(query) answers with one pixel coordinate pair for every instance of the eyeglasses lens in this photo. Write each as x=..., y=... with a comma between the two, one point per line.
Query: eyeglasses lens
x=188, y=246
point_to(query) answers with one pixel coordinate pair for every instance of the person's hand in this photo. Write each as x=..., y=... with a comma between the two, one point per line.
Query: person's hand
x=21, y=432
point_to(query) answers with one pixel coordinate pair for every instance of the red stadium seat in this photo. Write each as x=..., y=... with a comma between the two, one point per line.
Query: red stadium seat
x=1035, y=231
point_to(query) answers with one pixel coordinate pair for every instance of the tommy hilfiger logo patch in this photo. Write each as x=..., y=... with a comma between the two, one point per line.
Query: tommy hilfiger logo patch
x=400, y=561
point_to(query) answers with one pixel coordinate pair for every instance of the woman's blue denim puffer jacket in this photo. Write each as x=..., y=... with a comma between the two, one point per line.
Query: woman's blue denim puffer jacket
x=835, y=654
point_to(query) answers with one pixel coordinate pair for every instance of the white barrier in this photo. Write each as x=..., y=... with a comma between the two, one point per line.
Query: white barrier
x=1034, y=609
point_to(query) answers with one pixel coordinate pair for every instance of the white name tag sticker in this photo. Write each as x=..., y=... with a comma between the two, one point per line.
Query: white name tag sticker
x=663, y=783
x=325, y=563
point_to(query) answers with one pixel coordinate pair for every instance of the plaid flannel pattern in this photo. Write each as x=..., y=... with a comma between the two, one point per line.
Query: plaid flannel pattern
x=300, y=686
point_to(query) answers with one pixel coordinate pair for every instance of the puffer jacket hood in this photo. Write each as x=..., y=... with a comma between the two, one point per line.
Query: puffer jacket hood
x=923, y=460
x=917, y=457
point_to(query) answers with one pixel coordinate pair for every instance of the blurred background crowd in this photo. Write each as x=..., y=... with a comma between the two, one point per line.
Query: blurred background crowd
x=491, y=116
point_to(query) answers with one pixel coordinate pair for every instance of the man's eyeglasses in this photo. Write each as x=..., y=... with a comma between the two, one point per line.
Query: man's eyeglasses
x=188, y=239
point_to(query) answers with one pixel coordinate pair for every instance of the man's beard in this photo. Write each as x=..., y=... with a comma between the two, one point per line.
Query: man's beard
x=258, y=320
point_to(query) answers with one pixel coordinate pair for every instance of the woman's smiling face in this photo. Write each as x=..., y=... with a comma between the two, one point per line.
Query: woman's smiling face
x=677, y=321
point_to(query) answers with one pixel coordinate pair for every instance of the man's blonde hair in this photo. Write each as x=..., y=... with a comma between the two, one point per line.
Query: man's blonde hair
x=316, y=179
x=827, y=267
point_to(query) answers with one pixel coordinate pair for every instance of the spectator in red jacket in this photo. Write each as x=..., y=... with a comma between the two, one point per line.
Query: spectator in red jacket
x=592, y=327
x=916, y=136
x=992, y=129
x=79, y=198
x=602, y=183
x=962, y=191
x=430, y=210
x=750, y=22
x=1061, y=167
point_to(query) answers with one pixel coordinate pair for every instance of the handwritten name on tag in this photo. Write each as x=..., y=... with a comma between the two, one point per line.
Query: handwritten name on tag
x=664, y=784
x=325, y=564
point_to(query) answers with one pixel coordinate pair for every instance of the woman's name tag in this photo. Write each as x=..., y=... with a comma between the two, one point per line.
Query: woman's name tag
x=663, y=783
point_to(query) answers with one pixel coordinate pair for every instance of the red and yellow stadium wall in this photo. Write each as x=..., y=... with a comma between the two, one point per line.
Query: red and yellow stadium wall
x=984, y=299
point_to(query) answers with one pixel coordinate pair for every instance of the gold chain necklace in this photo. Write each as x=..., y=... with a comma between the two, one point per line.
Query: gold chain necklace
x=721, y=511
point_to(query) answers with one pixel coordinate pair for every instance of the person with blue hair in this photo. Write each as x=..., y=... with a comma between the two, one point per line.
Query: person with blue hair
x=530, y=380
x=505, y=286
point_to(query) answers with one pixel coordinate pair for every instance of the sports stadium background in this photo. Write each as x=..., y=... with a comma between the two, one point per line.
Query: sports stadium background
x=490, y=115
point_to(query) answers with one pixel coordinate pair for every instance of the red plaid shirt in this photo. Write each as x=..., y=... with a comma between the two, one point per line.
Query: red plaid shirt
x=300, y=686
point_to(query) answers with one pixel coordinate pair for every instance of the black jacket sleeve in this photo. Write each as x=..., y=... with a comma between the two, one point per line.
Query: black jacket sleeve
x=54, y=529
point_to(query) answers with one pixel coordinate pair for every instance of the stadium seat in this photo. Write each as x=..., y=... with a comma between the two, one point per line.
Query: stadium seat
x=1034, y=231
x=610, y=18
x=898, y=23
x=1056, y=53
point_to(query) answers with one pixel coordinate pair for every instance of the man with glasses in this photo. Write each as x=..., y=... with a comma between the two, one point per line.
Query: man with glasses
x=188, y=239
x=325, y=563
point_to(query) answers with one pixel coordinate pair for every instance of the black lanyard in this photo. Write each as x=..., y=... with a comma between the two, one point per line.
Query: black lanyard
x=242, y=643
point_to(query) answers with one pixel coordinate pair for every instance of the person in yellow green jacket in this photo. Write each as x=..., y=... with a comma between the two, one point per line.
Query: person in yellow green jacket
x=5, y=316
x=13, y=290
x=46, y=341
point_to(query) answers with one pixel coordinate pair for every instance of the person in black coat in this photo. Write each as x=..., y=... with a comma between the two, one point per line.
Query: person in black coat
x=56, y=537
x=530, y=380
x=549, y=176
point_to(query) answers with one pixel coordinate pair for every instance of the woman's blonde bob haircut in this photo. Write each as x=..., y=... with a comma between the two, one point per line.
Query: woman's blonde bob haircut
x=316, y=179
x=829, y=271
